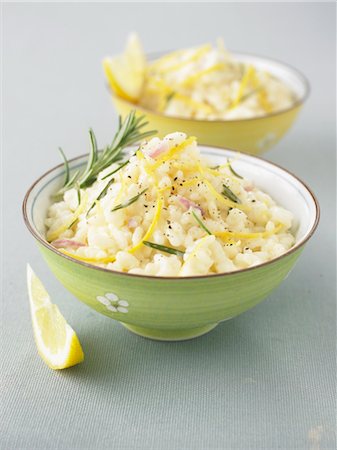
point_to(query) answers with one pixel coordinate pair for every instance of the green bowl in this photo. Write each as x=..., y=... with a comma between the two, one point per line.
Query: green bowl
x=174, y=309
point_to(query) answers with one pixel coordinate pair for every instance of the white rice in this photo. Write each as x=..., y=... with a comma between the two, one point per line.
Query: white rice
x=184, y=183
x=209, y=83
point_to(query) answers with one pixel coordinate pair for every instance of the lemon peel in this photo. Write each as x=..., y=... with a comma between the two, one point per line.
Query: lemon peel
x=173, y=151
x=52, y=235
x=159, y=207
x=240, y=235
x=104, y=260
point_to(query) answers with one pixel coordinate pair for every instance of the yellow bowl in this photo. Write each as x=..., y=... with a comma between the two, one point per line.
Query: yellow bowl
x=254, y=135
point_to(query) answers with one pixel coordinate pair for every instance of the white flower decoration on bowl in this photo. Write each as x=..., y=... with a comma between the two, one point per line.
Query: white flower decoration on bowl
x=112, y=302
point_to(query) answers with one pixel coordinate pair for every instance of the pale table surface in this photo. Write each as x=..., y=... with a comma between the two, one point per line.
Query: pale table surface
x=262, y=381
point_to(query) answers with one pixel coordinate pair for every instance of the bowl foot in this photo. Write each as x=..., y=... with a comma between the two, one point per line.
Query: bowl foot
x=170, y=335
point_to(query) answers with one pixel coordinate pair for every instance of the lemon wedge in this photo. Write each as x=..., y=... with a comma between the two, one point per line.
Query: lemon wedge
x=126, y=73
x=56, y=341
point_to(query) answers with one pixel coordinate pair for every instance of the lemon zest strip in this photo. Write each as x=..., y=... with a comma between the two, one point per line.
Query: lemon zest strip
x=264, y=102
x=216, y=194
x=196, y=76
x=200, y=52
x=140, y=155
x=222, y=199
x=197, y=247
x=147, y=167
x=56, y=233
x=99, y=208
x=120, y=192
x=239, y=235
x=248, y=77
x=159, y=206
x=166, y=58
x=193, y=103
x=190, y=182
x=173, y=151
x=157, y=84
x=105, y=260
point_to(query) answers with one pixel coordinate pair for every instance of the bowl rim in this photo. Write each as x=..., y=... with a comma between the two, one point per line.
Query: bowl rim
x=297, y=103
x=293, y=249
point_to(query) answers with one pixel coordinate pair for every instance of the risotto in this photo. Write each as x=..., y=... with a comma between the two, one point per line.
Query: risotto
x=167, y=211
x=206, y=82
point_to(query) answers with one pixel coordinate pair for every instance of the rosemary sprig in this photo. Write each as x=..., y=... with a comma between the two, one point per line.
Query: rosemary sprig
x=200, y=222
x=128, y=133
x=129, y=202
x=163, y=248
x=101, y=195
x=116, y=170
x=233, y=171
x=229, y=194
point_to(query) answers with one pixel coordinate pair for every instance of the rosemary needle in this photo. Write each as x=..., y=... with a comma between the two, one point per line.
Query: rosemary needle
x=66, y=168
x=163, y=248
x=229, y=194
x=129, y=202
x=200, y=222
x=116, y=170
x=233, y=171
x=101, y=194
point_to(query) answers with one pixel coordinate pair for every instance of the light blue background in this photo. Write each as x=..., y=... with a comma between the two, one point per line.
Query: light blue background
x=262, y=381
